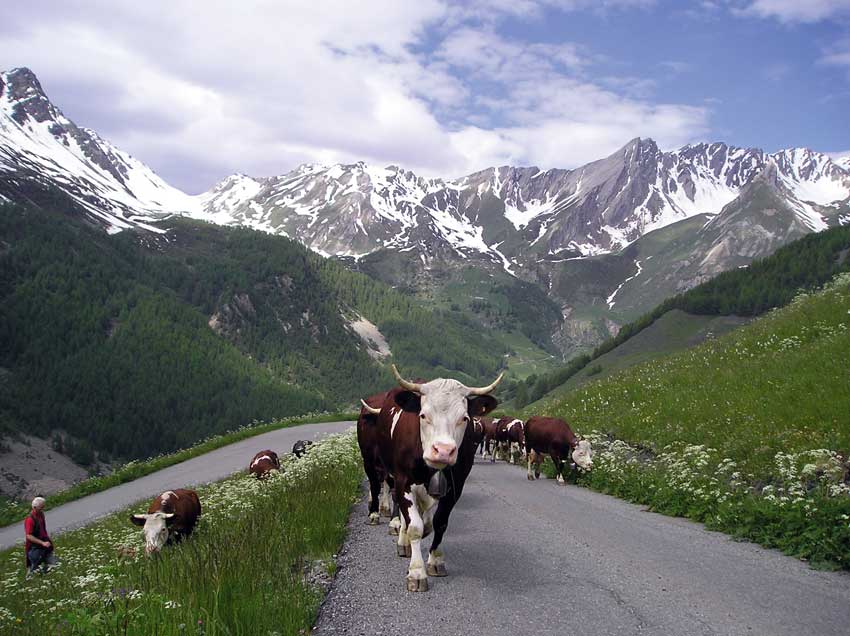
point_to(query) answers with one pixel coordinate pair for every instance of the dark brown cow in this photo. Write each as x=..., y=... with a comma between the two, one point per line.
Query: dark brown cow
x=510, y=432
x=489, y=436
x=170, y=517
x=428, y=448
x=367, y=440
x=263, y=463
x=554, y=437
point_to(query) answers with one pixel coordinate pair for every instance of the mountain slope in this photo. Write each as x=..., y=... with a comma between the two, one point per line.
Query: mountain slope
x=707, y=310
x=143, y=341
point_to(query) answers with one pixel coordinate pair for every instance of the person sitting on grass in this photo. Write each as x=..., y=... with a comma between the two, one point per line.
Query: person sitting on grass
x=38, y=547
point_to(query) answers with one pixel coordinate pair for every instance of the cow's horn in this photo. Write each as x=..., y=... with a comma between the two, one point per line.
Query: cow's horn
x=410, y=386
x=484, y=390
x=369, y=409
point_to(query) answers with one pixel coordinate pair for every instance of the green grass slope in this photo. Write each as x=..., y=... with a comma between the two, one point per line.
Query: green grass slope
x=674, y=331
x=749, y=432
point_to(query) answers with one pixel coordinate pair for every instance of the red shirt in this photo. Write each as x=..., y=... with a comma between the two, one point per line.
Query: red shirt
x=38, y=530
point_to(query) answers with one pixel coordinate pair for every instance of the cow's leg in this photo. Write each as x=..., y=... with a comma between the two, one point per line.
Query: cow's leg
x=395, y=522
x=401, y=497
x=511, y=452
x=384, y=508
x=436, y=558
x=538, y=459
x=374, y=492
x=419, y=502
x=559, y=469
x=531, y=458
x=395, y=519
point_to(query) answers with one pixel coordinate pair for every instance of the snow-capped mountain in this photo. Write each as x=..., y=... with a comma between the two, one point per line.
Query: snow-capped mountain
x=503, y=215
x=518, y=222
x=39, y=145
x=506, y=214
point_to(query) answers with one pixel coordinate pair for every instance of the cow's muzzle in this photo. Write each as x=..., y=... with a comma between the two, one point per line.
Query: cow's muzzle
x=441, y=454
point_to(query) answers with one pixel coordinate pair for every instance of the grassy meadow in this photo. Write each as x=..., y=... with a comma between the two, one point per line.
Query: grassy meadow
x=749, y=432
x=255, y=564
x=15, y=511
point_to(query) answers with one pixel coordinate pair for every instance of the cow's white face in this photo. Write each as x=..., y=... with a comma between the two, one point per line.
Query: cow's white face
x=583, y=455
x=443, y=416
x=155, y=529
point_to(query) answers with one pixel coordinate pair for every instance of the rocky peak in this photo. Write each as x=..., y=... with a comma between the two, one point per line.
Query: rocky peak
x=23, y=91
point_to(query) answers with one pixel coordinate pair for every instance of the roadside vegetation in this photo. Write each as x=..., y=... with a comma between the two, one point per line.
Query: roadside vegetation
x=256, y=563
x=748, y=433
x=14, y=511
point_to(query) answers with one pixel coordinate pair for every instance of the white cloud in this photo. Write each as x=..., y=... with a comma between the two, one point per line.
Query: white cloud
x=260, y=88
x=789, y=11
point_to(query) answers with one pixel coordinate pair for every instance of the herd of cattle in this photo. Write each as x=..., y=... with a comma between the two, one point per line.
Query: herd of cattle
x=418, y=442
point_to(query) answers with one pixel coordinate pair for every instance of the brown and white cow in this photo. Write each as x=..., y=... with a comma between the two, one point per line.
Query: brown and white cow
x=428, y=448
x=510, y=432
x=263, y=464
x=554, y=437
x=170, y=517
x=367, y=440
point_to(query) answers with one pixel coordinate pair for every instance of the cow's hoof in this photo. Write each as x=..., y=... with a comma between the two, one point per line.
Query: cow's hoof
x=403, y=550
x=530, y=477
x=395, y=524
x=417, y=585
x=385, y=512
x=537, y=475
x=373, y=519
x=393, y=531
x=438, y=569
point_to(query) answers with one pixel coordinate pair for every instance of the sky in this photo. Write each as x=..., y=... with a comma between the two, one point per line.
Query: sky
x=199, y=91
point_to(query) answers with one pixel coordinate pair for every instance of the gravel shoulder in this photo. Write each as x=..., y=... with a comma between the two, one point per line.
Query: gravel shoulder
x=203, y=469
x=535, y=557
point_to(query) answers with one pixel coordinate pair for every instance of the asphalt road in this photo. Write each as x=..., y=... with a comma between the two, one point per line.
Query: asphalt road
x=537, y=558
x=203, y=469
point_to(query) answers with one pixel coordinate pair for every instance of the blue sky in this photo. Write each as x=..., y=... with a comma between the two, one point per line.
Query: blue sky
x=440, y=88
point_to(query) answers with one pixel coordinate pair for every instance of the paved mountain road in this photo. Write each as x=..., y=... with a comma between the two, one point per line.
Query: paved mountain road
x=534, y=558
x=203, y=469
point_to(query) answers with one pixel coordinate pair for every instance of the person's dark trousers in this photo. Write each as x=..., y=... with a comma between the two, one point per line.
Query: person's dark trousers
x=40, y=556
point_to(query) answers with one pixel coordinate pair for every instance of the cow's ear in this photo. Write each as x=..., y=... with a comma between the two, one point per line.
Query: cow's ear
x=481, y=405
x=408, y=401
x=139, y=520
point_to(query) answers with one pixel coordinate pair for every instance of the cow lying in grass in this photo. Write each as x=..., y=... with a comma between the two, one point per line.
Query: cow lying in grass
x=170, y=517
x=263, y=463
x=554, y=437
